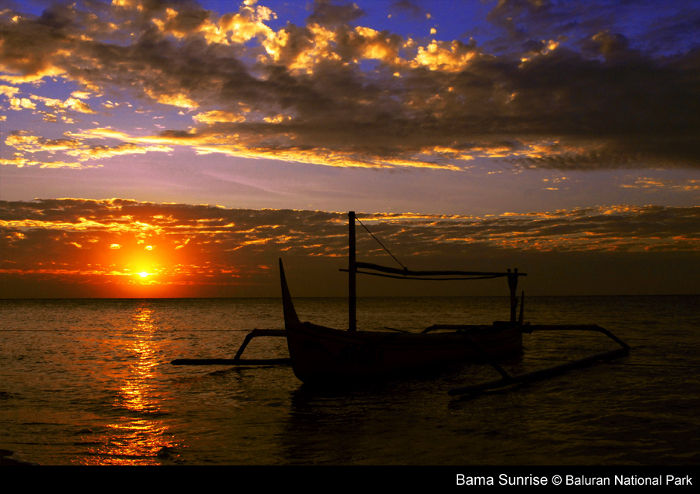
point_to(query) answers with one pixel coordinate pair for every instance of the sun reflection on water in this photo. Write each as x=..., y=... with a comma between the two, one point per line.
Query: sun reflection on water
x=137, y=435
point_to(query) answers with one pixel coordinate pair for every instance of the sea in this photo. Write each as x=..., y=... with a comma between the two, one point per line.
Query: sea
x=89, y=382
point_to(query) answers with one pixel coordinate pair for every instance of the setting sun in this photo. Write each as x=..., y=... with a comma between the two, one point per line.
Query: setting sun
x=143, y=274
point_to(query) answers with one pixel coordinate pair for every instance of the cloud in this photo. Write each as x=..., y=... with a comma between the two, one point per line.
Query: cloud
x=106, y=243
x=515, y=16
x=335, y=93
x=326, y=13
x=20, y=162
x=74, y=147
x=660, y=184
x=9, y=91
x=217, y=229
x=18, y=104
x=407, y=8
x=69, y=104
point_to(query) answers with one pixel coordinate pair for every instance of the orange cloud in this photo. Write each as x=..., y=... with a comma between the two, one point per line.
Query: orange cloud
x=656, y=184
x=110, y=244
x=74, y=146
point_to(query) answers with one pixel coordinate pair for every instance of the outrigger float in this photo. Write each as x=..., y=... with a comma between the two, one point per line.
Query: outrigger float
x=324, y=355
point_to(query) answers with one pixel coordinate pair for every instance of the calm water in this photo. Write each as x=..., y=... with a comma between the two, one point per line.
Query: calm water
x=88, y=382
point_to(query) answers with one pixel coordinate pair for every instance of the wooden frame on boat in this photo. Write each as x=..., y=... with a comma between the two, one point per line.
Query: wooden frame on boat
x=324, y=354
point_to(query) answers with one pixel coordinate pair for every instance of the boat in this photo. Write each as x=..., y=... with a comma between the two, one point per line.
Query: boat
x=321, y=354
x=324, y=355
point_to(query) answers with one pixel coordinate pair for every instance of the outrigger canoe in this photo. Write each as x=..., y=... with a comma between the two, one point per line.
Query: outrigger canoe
x=319, y=353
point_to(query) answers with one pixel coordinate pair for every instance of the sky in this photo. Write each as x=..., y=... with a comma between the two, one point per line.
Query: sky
x=179, y=148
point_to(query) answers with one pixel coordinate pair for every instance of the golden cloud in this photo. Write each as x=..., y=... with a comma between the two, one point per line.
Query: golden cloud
x=308, y=92
x=106, y=243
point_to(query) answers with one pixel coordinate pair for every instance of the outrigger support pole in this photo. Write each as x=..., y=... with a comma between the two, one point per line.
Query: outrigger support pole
x=522, y=308
x=538, y=375
x=237, y=360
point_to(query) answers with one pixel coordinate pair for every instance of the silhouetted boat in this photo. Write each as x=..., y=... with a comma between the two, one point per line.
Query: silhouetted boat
x=321, y=354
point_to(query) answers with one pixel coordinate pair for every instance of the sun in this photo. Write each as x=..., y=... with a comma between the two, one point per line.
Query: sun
x=143, y=274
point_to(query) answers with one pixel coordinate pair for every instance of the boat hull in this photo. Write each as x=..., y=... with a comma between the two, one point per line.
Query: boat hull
x=322, y=354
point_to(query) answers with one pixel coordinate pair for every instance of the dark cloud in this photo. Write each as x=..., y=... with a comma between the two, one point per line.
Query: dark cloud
x=408, y=8
x=303, y=93
x=328, y=13
x=514, y=15
x=607, y=44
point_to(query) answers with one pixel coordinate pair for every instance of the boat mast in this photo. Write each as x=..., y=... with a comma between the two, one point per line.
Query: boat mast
x=352, y=271
x=513, y=285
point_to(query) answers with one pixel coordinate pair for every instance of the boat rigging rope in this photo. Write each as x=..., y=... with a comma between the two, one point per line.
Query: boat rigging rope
x=375, y=238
